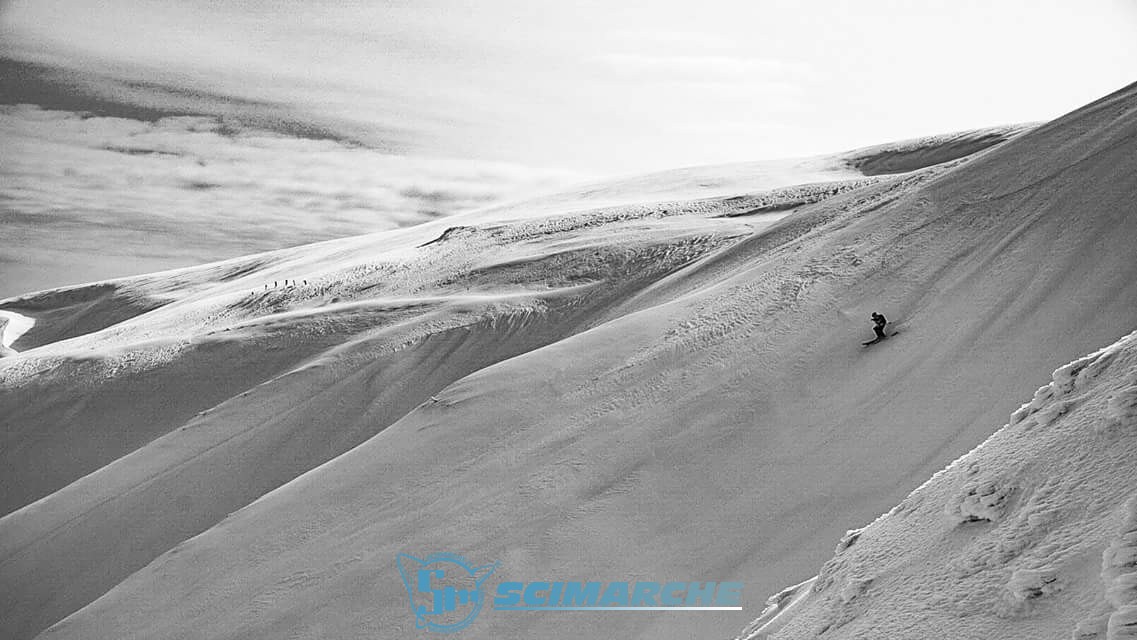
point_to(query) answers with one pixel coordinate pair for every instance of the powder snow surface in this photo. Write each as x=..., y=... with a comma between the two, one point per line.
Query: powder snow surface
x=1033, y=534
x=586, y=388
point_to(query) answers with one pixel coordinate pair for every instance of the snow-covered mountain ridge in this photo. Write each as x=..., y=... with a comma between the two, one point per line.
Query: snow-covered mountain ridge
x=572, y=387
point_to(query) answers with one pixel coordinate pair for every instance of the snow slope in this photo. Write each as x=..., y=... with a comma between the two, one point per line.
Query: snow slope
x=1033, y=534
x=666, y=389
x=12, y=326
x=749, y=177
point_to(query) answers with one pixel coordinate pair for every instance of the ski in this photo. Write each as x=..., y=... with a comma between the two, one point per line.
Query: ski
x=872, y=342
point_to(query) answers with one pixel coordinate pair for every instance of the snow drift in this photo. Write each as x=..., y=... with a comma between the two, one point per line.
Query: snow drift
x=1033, y=534
x=664, y=388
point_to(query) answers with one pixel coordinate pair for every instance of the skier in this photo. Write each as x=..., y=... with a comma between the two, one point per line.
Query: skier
x=879, y=322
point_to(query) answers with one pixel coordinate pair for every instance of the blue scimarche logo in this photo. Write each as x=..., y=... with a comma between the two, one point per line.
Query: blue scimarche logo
x=446, y=593
x=444, y=589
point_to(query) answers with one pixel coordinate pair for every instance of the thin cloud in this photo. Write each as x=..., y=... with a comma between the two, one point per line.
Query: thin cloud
x=658, y=39
x=707, y=67
x=203, y=190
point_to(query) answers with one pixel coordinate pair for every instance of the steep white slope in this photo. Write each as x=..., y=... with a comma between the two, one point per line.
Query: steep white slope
x=158, y=360
x=213, y=332
x=719, y=422
x=195, y=409
x=1031, y=535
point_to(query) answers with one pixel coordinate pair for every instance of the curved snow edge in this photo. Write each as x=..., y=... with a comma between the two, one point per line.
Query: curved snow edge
x=12, y=326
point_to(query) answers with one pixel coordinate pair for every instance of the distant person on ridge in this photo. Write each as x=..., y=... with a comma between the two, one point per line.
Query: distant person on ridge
x=879, y=322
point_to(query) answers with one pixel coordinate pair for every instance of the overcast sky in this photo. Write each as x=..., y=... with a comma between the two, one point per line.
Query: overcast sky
x=608, y=86
x=138, y=135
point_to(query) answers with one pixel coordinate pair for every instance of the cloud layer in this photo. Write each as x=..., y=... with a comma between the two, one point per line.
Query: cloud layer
x=247, y=124
x=182, y=190
x=600, y=87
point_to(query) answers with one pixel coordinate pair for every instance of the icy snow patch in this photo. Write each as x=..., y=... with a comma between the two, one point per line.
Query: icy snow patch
x=12, y=326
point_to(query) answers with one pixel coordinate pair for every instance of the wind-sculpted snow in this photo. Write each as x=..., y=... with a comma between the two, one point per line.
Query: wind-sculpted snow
x=220, y=372
x=670, y=387
x=914, y=154
x=1041, y=521
x=1117, y=620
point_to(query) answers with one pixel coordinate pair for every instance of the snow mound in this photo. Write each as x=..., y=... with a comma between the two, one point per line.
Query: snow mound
x=980, y=501
x=1041, y=538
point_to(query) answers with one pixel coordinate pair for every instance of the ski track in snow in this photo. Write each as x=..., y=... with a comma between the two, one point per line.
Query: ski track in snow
x=1009, y=539
x=662, y=388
